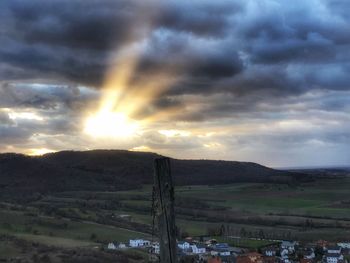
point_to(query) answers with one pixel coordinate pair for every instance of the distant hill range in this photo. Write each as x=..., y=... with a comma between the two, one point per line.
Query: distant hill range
x=109, y=170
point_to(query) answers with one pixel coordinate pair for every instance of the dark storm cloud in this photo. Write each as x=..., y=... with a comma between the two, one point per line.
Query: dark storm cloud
x=67, y=40
x=190, y=57
x=72, y=40
x=202, y=18
x=45, y=97
x=210, y=46
x=76, y=24
x=253, y=62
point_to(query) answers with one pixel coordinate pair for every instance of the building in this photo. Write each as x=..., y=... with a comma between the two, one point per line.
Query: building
x=333, y=258
x=155, y=249
x=214, y=259
x=269, y=251
x=198, y=249
x=306, y=253
x=289, y=245
x=139, y=243
x=112, y=246
x=334, y=250
x=220, y=252
x=344, y=245
x=183, y=245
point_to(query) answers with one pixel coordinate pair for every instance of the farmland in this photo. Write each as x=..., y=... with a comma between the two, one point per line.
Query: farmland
x=311, y=210
x=254, y=212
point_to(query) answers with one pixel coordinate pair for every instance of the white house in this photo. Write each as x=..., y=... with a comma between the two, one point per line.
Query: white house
x=289, y=245
x=344, y=244
x=198, y=249
x=270, y=251
x=183, y=245
x=139, y=243
x=220, y=252
x=111, y=246
x=334, y=250
x=334, y=257
x=155, y=248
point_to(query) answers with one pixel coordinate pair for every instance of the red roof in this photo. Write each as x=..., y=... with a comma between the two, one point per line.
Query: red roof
x=214, y=260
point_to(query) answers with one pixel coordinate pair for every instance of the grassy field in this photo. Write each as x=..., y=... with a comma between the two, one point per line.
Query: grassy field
x=61, y=232
x=311, y=199
x=319, y=202
x=310, y=211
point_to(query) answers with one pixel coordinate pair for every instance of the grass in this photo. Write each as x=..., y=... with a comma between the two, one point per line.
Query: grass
x=245, y=242
x=56, y=241
x=50, y=229
x=8, y=250
x=310, y=200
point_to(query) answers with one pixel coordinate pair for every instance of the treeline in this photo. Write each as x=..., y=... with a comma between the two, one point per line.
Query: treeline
x=120, y=170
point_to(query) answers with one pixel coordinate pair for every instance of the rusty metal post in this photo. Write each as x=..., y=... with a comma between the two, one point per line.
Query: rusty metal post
x=164, y=195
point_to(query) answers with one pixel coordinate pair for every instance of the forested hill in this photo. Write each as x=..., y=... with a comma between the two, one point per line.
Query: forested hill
x=117, y=169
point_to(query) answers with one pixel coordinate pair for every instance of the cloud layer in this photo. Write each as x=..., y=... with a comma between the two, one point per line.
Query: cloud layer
x=265, y=81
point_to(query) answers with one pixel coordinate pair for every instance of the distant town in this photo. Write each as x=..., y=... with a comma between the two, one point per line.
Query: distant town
x=210, y=250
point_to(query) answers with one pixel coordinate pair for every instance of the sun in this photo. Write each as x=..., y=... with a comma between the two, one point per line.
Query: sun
x=38, y=152
x=111, y=125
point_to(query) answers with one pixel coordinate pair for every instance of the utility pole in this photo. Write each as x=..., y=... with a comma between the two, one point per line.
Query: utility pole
x=164, y=197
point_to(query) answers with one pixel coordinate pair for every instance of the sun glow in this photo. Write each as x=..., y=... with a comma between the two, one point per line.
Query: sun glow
x=111, y=124
x=127, y=97
x=38, y=152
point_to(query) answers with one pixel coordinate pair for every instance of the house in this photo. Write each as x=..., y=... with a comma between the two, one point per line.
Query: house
x=344, y=244
x=221, y=246
x=198, y=249
x=183, y=245
x=224, y=250
x=289, y=245
x=270, y=251
x=220, y=252
x=112, y=246
x=306, y=253
x=139, y=243
x=333, y=258
x=214, y=259
x=155, y=249
x=334, y=249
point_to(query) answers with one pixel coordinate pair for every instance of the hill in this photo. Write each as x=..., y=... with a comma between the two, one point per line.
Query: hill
x=118, y=169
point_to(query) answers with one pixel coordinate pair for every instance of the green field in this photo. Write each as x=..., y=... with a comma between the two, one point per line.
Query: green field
x=61, y=231
x=309, y=211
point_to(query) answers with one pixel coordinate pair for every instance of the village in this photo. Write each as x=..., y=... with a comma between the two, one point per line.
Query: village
x=206, y=249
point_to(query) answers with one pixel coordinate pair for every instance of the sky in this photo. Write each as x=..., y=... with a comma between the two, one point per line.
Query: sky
x=263, y=81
